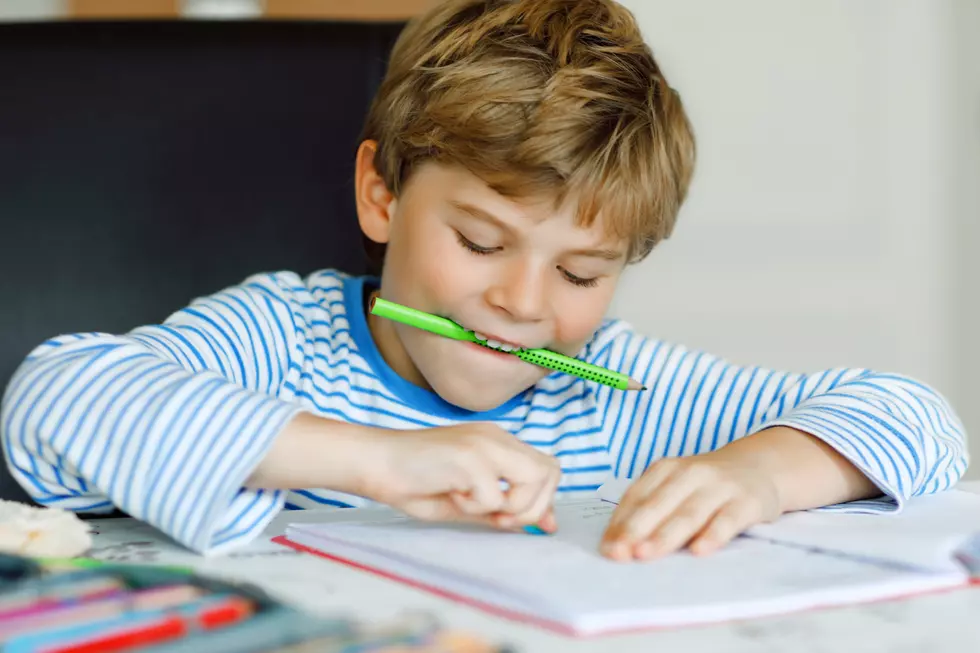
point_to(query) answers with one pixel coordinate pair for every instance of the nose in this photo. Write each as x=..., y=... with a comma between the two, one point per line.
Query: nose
x=520, y=293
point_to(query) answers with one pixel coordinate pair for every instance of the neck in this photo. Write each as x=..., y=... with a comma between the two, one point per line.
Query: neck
x=390, y=346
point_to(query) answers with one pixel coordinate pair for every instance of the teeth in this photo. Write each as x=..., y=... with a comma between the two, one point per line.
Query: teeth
x=495, y=344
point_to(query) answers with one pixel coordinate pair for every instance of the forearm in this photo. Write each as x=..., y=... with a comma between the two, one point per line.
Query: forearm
x=807, y=472
x=316, y=452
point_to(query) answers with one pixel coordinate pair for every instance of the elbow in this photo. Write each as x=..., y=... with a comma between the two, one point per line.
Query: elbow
x=947, y=466
x=961, y=462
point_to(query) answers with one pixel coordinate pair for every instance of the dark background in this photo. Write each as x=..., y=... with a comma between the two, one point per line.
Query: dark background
x=143, y=164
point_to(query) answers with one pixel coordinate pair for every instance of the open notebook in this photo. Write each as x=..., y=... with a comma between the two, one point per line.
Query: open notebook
x=806, y=560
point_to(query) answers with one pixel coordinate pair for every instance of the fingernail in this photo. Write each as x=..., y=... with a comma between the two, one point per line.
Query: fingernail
x=702, y=547
x=646, y=550
x=615, y=550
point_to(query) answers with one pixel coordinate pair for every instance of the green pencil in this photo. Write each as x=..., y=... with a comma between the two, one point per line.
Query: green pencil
x=543, y=357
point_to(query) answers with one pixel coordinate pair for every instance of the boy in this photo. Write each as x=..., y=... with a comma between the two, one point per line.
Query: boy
x=517, y=157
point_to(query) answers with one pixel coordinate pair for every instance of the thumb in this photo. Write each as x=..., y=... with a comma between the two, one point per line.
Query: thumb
x=442, y=508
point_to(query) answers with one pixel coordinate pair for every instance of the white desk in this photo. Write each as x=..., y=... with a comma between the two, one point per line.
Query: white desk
x=940, y=623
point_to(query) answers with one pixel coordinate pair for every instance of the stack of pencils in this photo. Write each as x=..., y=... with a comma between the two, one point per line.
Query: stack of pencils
x=80, y=606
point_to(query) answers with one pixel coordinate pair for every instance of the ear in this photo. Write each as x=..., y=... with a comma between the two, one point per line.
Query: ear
x=375, y=203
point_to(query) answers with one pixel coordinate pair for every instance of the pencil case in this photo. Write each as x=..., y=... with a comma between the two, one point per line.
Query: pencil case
x=271, y=625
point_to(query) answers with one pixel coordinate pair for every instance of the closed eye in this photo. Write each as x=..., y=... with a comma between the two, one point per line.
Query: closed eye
x=473, y=247
x=579, y=281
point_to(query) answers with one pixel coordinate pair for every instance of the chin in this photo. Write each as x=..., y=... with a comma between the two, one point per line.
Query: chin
x=476, y=399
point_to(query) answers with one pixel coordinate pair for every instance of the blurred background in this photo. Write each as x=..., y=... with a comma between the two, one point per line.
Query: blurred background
x=834, y=218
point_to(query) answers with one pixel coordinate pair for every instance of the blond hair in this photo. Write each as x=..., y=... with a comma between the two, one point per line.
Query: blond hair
x=540, y=98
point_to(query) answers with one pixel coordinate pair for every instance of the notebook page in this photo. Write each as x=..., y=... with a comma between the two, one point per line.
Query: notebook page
x=562, y=577
x=925, y=534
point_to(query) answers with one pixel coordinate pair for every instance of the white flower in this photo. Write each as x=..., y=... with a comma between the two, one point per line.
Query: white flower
x=42, y=532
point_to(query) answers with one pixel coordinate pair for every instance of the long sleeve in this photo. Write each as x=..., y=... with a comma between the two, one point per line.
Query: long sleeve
x=901, y=433
x=165, y=422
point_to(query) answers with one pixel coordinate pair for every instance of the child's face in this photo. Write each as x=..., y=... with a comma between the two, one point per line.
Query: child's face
x=516, y=272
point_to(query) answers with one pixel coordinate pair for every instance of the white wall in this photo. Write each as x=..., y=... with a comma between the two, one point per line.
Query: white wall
x=830, y=203
x=31, y=9
x=964, y=144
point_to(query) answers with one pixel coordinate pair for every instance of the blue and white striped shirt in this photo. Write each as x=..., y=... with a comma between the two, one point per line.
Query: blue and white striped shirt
x=168, y=421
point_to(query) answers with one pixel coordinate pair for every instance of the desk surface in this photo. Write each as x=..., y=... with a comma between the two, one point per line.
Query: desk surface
x=938, y=623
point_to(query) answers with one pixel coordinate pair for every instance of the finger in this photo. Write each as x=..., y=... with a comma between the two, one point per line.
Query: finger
x=438, y=508
x=519, y=463
x=542, y=512
x=635, y=521
x=529, y=503
x=548, y=523
x=441, y=508
x=730, y=521
x=485, y=498
x=637, y=493
x=527, y=473
x=481, y=493
x=519, y=499
x=682, y=525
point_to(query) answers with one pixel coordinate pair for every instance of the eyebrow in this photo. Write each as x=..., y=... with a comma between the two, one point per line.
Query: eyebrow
x=480, y=214
x=477, y=212
x=604, y=254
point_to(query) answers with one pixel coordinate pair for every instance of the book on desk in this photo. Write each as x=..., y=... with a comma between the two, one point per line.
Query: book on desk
x=803, y=561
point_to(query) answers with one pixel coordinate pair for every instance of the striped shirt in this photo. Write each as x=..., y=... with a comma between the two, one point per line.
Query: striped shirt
x=168, y=421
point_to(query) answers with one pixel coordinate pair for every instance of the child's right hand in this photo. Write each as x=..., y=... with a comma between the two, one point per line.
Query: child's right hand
x=454, y=473
x=443, y=473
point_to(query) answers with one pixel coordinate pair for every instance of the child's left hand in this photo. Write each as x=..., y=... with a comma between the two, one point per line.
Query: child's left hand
x=700, y=501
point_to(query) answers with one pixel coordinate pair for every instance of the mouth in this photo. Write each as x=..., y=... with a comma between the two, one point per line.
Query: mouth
x=498, y=344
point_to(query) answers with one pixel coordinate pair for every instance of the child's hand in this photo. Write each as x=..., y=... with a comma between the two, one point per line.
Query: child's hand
x=700, y=501
x=454, y=473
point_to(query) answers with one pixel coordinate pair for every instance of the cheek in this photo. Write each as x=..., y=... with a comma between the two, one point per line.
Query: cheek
x=577, y=320
x=444, y=269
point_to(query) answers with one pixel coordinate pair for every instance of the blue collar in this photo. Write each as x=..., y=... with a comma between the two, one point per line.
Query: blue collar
x=419, y=398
